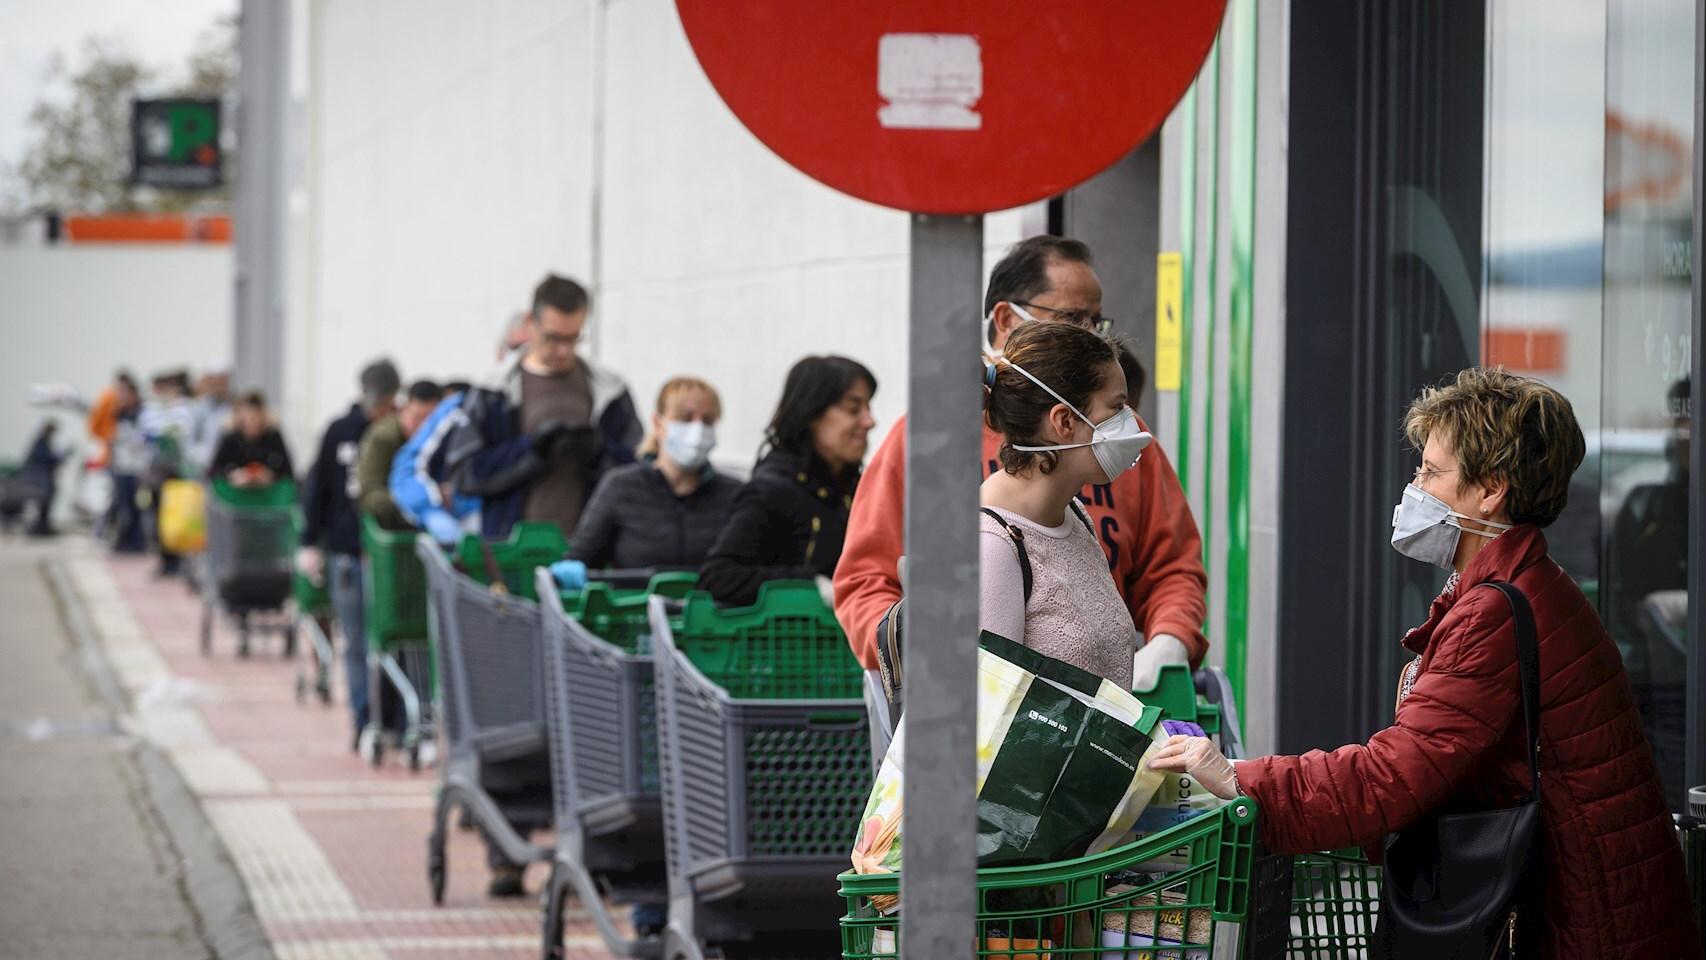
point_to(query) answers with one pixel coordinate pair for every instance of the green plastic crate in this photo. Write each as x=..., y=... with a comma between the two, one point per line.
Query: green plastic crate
x=531, y=543
x=1336, y=897
x=1119, y=904
x=396, y=590
x=787, y=646
x=619, y=617
x=280, y=494
x=1176, y=694
x=312, y=599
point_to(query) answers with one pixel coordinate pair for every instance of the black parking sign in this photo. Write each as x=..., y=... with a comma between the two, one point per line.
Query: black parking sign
x=176, y=143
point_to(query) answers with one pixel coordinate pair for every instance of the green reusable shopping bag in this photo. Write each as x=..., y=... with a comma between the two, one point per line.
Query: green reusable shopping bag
x=1062, y=764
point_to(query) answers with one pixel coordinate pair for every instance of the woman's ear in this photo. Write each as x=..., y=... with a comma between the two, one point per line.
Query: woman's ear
x=1063, y=422
x=1494, y=492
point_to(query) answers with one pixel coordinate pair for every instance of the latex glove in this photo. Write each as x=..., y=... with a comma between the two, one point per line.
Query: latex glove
x=569, y=574
x=826, y=590
x=1146, y=663
x=311, y=563
x=1198, y=758
x=443, y=528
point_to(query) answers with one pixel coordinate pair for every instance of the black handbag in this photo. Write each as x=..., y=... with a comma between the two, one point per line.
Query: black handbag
x=1466, y=886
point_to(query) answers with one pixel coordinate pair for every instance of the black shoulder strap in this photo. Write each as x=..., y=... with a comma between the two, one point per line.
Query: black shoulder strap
x=1018, y=538
x=1082, y=515
x=1528, y=672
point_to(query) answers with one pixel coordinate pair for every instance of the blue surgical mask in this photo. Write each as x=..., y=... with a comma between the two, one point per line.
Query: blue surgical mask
x=689, y=443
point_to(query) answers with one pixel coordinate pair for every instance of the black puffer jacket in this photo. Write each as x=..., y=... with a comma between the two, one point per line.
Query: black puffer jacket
x=635, y=519
x=788, y=523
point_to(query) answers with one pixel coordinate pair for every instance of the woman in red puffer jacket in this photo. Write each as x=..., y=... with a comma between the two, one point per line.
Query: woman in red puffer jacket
x=1497, y=455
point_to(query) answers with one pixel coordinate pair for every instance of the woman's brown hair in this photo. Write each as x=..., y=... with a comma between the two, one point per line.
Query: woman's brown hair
x=671, y=389
x=1504, y=427
x=1072, y=360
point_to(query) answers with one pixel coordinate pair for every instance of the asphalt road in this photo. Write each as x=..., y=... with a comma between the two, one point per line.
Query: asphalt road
x=85, y=868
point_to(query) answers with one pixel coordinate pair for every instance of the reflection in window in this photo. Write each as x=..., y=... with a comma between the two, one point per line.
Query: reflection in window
x=1647, y=405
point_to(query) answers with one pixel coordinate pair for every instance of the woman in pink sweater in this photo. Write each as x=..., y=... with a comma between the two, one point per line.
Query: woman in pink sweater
x=1058, y=397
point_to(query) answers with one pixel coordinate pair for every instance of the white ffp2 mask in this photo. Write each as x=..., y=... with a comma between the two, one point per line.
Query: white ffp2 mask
x=1117, y=442
x=1425, y=528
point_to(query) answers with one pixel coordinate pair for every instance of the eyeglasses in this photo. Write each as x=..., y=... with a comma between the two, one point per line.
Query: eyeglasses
x=1424, y=475
x=1094, y=322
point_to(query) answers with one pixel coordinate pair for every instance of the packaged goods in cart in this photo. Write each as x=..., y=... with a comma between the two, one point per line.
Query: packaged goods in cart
x=1062, y=766
x=1156, y=928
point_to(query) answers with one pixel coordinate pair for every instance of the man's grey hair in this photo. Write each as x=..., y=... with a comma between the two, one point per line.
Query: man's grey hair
x=380, y=382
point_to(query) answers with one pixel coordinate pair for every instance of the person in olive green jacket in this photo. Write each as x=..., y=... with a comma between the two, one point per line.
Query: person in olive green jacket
x=379, y=447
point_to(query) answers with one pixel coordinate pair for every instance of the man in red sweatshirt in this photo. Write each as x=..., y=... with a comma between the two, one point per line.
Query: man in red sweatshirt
x=1142, y=518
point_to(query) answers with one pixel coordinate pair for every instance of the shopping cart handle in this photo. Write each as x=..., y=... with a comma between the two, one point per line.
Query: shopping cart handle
x=835, y=721
x=626, y=578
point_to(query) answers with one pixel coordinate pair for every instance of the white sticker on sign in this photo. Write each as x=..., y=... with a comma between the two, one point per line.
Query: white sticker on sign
x=930, y=81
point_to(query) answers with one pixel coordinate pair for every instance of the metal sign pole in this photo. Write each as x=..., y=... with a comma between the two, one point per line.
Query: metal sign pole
x=943, y=445
x=262, y=114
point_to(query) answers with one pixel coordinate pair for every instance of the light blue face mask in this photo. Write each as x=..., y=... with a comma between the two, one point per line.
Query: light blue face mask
x=1425, y=528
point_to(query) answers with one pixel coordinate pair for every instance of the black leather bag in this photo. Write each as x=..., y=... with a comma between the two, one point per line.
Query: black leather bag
x=1466, y=886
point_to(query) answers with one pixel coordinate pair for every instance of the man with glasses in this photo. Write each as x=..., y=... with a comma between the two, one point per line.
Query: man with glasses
x=540, y=434
x=1142, y=519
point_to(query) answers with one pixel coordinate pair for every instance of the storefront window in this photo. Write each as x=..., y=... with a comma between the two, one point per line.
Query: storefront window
x=1588, y=286
x=1647, y=404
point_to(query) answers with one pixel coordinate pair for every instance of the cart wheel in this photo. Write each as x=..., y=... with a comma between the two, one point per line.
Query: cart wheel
x=676, y=949
x=415, y=758
x=378, y=755
x=435, y=851
x=551, y=930
x=206, y=629
x=435, y=871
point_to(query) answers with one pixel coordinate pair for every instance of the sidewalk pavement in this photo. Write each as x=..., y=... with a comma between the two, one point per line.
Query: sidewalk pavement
x=86, y=868
x=331, y=851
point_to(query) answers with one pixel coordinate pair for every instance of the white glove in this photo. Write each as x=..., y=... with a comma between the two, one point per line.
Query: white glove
x=1146, y=663
x=1198, y=758
x=311, y=563
x=826, y=590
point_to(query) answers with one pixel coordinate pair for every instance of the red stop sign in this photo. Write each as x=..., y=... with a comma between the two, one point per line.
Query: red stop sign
x=951, y=106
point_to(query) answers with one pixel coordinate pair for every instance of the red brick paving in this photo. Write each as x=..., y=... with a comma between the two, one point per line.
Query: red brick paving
x=369, y=825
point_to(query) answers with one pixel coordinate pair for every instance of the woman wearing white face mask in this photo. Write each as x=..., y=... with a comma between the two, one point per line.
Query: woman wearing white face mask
x=1497, y=453
x=666, y=510
x=1059, y=397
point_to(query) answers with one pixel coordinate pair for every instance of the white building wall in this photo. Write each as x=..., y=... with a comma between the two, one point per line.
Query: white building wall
x=75, y=314
x=461, y=152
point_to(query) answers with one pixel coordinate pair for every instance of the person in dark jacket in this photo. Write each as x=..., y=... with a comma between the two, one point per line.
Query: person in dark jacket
x=252, y=453
x=1497, y=455
x=538, y=437
x=41, y=470
x=331, y=525
x=788, y=522
x=665, y=511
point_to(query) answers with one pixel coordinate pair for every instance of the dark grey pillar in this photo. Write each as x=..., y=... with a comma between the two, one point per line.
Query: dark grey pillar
x=943, y=446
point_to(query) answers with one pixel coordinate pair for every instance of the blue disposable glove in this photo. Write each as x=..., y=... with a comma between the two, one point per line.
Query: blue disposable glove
x=569, y=574
x=443, y=528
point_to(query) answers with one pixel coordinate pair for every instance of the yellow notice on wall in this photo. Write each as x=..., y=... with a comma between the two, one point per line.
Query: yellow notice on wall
x=1169, y=320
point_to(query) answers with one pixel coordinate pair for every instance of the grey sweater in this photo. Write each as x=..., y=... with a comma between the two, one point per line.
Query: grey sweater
x=634, y=519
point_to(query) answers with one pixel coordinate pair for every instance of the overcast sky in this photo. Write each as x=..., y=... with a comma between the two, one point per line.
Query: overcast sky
x=160, y=32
